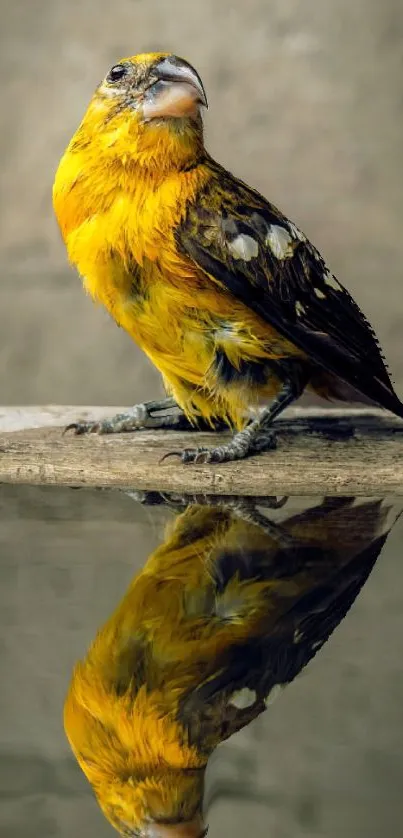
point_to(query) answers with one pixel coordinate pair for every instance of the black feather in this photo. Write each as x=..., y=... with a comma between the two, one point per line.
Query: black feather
x=297, y=295
x=256, y=372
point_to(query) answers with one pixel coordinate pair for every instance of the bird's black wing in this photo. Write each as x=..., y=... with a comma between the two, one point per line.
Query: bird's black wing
x=245, y=245
x=251, y=672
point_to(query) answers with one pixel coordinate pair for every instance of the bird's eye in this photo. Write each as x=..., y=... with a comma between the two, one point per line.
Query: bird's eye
x=117, y=72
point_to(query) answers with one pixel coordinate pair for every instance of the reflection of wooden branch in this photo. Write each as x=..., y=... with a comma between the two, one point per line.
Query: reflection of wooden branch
x=333, y=452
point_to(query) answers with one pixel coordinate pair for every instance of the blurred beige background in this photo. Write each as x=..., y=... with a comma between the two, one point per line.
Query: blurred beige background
x=305, y=104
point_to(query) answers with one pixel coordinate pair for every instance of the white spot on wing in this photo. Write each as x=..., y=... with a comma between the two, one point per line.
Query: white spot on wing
x=241, y=699
x=319, y=294
x=331, y=281
x=298, y=635
x=243, y=247
x=296, y=233
x=299, y=308
x=274, y=692
x=279, y=241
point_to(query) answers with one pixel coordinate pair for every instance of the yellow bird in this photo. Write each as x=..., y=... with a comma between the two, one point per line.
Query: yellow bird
x=225, y=295
x=222, y=616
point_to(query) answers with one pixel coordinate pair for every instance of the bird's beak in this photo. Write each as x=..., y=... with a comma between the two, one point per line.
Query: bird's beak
x=188, y=829
x=178, y=92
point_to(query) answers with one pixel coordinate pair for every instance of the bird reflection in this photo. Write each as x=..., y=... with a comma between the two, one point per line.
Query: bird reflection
x=237, y=599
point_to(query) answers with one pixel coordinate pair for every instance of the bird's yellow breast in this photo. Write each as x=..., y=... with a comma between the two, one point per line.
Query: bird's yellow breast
x=114, y=219
x=119, y=229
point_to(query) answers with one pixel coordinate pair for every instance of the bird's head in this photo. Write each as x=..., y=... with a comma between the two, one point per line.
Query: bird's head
x=147, y=110
x=163, y=805
x=148, y=783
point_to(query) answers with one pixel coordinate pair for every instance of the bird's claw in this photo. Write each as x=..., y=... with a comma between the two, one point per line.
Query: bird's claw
x=191, y=455
x=81, y=428
x=201, y=455
x=241, y=446
x=152, y=415
x=171, y=454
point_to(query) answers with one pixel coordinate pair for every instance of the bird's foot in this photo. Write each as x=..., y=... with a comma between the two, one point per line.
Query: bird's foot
x=244, y=509
x=149, y=415
x=229, y=502
x=244, y=444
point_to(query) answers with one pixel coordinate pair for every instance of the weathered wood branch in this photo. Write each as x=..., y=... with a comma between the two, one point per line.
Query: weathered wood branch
x=334, y=452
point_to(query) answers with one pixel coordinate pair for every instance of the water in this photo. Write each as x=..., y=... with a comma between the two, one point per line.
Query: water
x=324, y=760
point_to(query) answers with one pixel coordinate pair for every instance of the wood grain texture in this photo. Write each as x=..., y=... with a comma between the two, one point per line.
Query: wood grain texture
x=334, y=452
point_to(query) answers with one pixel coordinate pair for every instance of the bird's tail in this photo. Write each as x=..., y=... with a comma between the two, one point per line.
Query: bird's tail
x=384, y=396
x=373, y=393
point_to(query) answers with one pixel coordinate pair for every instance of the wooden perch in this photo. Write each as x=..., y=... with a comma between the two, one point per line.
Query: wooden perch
x=333, y=452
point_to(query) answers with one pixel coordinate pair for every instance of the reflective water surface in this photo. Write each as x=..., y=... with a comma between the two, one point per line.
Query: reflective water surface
x=324, y=760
